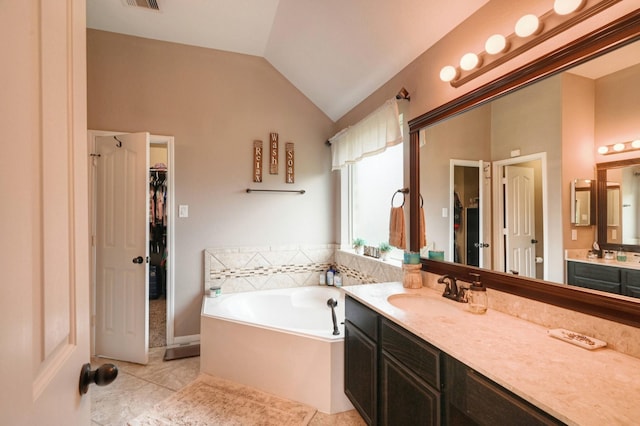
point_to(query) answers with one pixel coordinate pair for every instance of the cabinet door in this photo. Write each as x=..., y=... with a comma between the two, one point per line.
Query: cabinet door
x=360, y=376
x=474, y=399
x=405, y=399
x=631, y=283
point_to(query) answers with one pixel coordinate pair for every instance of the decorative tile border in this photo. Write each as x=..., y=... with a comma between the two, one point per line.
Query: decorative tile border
x=268, y=267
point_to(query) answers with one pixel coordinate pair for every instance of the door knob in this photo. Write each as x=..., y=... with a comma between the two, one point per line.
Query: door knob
x=101, y=376
x=138, y=259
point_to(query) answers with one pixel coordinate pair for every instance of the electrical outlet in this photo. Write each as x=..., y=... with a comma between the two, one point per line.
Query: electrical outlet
x=574, y=234
x=183, y=210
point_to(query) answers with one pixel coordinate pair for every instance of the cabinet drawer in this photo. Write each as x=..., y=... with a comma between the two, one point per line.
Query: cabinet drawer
x=420, y=357
x=490, y=404
x=631, y=277
x=362, y=317
x=597, y=273
x=607, y=286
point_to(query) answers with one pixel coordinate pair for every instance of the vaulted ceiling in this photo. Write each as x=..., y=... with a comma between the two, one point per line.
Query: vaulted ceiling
x=336, y=52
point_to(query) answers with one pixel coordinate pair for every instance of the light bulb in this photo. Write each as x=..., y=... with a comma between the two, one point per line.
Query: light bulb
x=565, y=7
x=469, y=61
x=603, y=150
x=527, y=26
x=618, y=147
x=635, y=144
x=495, y=44
x=448, y=73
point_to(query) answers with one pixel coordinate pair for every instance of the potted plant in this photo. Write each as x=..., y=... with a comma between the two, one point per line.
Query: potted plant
x=385, y=248
x=358, y=245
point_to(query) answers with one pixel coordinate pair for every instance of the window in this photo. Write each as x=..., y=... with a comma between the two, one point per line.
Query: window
x=374, y=181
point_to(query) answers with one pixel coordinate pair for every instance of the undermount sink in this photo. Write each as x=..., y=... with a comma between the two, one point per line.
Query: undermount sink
x=419, y=303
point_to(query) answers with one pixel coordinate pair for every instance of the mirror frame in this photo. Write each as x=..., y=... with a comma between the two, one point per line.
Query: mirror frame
x=611, y=307
x=601, y=176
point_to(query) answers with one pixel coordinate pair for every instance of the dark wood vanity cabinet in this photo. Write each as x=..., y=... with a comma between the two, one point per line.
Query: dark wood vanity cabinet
x=409, y=378
x=395, y=378
x=605, y=278
x=361, y=359
x=472, y=399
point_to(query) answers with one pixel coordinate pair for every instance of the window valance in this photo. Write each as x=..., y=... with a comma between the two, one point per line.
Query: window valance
x=371, y=135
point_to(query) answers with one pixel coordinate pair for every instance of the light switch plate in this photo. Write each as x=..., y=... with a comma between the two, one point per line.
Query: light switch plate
x=574, y=234
x=445, y=212
x=183, y=210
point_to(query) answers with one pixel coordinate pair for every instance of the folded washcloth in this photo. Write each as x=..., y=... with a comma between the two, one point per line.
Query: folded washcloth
x=397, y=234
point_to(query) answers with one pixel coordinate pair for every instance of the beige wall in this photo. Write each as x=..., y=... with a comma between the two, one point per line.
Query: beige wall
x=578, y=126
x=215, y=104
x=421, y=77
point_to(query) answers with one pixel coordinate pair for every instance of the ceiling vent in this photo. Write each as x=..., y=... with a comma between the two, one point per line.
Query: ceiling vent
x=145, y=4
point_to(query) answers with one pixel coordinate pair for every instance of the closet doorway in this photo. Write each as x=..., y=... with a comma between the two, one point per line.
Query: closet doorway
x=115, y=310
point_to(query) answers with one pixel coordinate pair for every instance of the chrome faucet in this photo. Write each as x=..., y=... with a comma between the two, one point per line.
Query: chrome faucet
x=452, y=291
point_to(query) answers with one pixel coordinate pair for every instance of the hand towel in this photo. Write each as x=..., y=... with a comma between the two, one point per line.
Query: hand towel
x=397, y=234
x=423, y=232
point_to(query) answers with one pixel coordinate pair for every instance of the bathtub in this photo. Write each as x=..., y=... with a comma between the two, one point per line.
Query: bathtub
x=279, y=341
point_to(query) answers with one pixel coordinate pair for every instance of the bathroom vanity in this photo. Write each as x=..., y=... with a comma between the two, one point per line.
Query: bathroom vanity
x=413, y=357
x=602, y=274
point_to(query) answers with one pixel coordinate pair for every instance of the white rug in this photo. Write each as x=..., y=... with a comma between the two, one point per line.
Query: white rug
x=212, y=401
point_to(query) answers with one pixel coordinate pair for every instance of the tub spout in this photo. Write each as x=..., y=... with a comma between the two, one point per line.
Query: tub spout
x=332, y=303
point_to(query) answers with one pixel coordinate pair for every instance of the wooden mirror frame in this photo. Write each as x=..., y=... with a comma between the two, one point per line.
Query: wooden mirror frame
x=601, y=179
x=610, y=37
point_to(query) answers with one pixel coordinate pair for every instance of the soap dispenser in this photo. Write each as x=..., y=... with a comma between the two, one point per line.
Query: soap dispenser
x=477, y=296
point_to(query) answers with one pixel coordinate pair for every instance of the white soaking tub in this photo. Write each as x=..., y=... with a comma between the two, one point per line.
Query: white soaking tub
x=280, y=341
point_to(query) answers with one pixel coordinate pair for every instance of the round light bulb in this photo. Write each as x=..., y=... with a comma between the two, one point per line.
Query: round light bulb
x=527, y=25
x=495, y=44
x=469, y=61
x=635, y=144
x=603, y=150
x=448, y=73
x=565, y=7
x=618, y=147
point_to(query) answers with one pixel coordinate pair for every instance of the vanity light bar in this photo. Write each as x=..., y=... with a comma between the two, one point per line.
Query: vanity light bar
x=529, y=31
x=619, y=147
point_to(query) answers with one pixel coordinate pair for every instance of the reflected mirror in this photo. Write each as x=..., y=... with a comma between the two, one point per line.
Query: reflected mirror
x=621, y=204
x=583, y=202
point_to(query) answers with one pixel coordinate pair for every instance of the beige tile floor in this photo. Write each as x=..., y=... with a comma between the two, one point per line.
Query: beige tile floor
x=138, y=388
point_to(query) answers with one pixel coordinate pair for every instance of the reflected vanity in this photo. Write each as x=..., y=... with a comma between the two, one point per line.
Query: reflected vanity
x=432, y=128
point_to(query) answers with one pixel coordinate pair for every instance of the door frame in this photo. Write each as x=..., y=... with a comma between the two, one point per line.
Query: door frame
x=498, y=208
x=479, y=164
x=170, y=290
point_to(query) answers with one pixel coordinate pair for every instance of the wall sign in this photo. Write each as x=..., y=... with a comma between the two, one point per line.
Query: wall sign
x=257, y=161
x=288, y=148
x=273, y=153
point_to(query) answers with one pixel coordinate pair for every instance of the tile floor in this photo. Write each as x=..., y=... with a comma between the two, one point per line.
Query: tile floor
x=138, y=388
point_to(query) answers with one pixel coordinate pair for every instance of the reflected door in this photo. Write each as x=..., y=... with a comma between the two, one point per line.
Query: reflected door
x=519, y=228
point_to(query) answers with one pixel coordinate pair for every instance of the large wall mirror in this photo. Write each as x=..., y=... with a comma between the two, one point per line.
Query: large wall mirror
x=525, y=131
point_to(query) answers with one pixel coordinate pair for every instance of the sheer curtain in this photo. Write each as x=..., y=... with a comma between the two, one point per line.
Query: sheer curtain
x=372, y=135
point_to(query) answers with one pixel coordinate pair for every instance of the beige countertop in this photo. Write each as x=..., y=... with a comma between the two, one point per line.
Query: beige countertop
x=575, y=385
x=579, y=255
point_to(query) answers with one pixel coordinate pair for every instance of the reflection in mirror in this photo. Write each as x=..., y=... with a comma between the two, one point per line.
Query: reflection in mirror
x=583, y=202
x=466, y=233
x=563, y=118
x=621, y=204
x=576, y=158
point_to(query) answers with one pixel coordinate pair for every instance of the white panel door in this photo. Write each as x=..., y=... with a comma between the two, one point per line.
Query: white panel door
x=44, y=250
x=122, y=247
x=520, y=220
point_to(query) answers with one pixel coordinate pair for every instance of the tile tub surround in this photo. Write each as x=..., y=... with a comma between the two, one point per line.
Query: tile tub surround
x=261, y=268
x=578, y=386
x=241, y=269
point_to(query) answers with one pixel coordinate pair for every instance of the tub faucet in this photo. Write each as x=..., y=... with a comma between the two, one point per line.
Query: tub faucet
x=332, y=303
x=451, y=291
